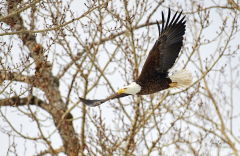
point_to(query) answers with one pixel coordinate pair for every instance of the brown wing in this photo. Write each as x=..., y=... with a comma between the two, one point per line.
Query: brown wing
x=93, y=103
x=166, y=49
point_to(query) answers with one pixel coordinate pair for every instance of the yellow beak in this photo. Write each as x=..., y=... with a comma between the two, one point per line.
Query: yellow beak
x=121, y=91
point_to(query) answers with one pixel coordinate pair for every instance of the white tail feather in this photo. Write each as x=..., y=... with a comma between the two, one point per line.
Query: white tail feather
x=183, y=78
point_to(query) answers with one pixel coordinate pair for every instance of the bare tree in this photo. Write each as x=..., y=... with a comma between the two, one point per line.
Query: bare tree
x=53, y=52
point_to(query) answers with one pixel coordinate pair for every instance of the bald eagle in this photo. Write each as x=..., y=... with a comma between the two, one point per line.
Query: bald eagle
x=154, y=76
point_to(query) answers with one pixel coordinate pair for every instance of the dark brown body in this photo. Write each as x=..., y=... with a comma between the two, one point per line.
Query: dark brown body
x=160, y=81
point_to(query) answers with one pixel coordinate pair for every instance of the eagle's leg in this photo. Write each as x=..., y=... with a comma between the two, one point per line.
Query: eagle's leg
x=173, y=84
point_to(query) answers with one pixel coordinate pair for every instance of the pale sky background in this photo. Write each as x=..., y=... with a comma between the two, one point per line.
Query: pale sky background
x=29, y=128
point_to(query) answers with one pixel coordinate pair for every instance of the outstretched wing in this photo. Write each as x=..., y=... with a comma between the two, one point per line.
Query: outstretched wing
x=93, y=103
x=166, y=49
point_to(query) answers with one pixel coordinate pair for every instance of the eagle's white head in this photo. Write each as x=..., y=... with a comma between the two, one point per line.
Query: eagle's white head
x=133, y=88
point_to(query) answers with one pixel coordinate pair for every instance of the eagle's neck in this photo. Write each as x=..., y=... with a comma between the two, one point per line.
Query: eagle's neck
x=133, y=88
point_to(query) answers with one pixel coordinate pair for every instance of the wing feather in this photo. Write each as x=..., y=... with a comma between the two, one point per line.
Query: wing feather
x=94, y=103
x=162, y=22
x=166, y=49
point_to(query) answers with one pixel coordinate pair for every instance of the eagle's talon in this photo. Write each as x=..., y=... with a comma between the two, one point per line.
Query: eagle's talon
x=173, y=84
